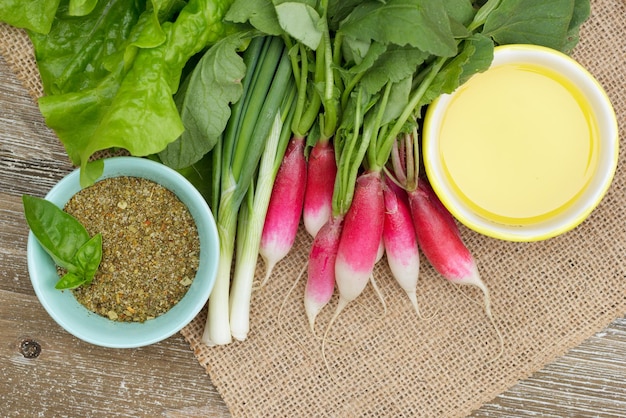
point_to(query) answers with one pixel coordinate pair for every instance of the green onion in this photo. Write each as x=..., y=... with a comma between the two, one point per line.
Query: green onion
x=267, y=82
x=251, y=221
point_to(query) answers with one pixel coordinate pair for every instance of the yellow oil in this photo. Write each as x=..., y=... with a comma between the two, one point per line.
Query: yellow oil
x=519, y=143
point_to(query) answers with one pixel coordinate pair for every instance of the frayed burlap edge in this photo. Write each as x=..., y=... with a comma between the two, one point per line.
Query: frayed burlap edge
x=19, y=53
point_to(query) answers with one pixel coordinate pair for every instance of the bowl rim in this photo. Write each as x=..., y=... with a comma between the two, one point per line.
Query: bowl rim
x=607, y=122
x=101, y=331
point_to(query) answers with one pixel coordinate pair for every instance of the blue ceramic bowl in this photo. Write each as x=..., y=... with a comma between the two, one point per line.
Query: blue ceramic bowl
x=98, y=330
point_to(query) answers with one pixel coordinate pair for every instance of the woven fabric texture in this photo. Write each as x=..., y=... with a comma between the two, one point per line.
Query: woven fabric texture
x=384, y=360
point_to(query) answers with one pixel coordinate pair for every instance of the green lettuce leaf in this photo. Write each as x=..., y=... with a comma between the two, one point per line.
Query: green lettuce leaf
x=82, y=7
x=34, y=15
x=72, y=55
x=128, y=101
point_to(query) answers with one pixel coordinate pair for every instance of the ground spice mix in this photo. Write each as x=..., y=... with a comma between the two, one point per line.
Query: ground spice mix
x=150, y=248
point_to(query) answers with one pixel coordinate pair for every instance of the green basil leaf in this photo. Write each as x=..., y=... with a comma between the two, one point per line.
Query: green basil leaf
x=70, y=281
x=59, y=233
x=88, y=257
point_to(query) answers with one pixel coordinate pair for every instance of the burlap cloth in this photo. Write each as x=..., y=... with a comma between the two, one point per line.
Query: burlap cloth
x=548, y=297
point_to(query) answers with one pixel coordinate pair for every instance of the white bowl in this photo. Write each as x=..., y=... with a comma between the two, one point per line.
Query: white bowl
x=560, y=218
x=96, y=329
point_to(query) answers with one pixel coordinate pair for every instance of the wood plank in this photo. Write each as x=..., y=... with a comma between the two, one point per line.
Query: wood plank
x=589, y=381
x=13, y=238
x=70, y=377
x=32, y=159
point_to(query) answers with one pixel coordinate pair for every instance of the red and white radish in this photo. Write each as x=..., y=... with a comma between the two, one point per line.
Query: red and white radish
x=360, y=239
x=400, y=241
x=285, y=207
x=320, y=284
x=439, y=239
x=359, y=244
x=322, y=170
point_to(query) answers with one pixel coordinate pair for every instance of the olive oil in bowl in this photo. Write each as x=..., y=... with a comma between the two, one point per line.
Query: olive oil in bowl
x=519, y=143
x=525, y=150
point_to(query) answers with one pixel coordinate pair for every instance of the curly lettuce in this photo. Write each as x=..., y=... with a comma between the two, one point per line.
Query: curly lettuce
x=109, y=76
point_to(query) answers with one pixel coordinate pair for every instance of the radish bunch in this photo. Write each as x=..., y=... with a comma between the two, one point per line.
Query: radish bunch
x=352, y=168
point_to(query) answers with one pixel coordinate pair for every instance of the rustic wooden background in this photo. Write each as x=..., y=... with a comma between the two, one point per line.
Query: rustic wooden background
x=47, y=372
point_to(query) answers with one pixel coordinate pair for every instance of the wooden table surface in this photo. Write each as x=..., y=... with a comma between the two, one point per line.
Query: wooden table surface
x=47, y=372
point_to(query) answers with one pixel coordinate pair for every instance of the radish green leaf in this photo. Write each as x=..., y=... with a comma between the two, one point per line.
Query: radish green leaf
x=301, y=21
x=544, y=23
x=261, y=14
x=213, y=85
x=422, y=24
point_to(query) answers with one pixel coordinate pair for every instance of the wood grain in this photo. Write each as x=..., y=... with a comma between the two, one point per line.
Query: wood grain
x=589, y=381
x=75, y=378
x=72, y=378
